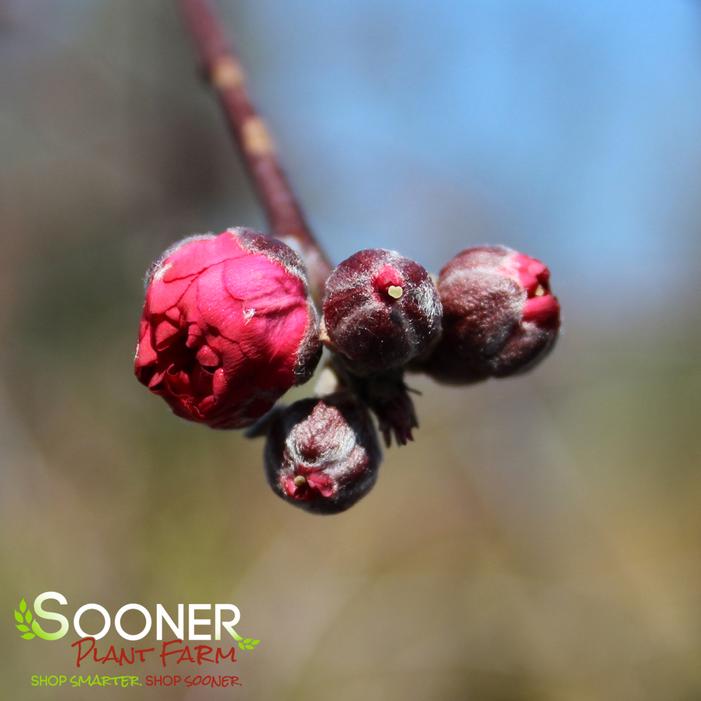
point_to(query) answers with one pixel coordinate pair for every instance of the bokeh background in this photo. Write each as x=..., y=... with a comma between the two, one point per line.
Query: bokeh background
x=541, y=539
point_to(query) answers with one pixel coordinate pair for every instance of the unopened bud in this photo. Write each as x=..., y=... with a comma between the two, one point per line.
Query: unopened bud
x=322, y=454
x=381, y=311
x=499, y=315
x=227, y=327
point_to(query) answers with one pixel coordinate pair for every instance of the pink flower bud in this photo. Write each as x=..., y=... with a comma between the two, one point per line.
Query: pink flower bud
x=381, y=310
x=499, y=316
x=322, y=454
x=227, y=327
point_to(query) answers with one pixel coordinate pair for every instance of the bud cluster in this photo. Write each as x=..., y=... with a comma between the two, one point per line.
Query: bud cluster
x=229, y=325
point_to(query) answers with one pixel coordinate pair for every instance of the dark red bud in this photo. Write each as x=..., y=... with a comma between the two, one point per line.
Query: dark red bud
x=381, y=311
x=499, y=315
x=322, y=454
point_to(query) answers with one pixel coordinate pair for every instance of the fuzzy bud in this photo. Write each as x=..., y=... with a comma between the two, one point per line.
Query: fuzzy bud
x=322, y=454
x=381, y=311
x=227, y=327
x=499, y=316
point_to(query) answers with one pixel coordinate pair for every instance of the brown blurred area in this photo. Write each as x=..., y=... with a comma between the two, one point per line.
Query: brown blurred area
x=540, y=540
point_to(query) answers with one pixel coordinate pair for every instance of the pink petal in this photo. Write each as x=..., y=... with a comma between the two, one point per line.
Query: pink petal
x=207, y=357
x=165, y=331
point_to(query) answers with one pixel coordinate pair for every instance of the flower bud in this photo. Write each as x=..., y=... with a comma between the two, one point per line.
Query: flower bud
x=381, y=310
x=499, y=316
x=227, y=327
x=322, y=454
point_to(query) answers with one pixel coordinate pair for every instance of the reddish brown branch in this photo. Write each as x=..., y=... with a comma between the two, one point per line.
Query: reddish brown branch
x=224, y=72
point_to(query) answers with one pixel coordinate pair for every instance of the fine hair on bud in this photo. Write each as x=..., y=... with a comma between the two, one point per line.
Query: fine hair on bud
x=380, y=311
x=322, y=454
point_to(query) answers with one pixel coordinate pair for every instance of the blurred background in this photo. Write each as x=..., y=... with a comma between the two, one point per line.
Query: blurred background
x=541, y=539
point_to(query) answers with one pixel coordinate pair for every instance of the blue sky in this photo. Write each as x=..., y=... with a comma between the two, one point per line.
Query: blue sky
x=569, y=129
x=566, y=128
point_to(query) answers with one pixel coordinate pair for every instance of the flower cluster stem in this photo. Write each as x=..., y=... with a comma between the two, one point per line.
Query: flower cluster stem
x=224, y=72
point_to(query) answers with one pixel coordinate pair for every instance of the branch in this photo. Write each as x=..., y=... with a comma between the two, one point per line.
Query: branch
x=225, y=74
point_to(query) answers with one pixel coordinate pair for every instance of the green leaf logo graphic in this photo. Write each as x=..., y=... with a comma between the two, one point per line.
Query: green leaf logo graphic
x=23, y=619
x=248, y=643
x=244, y=643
